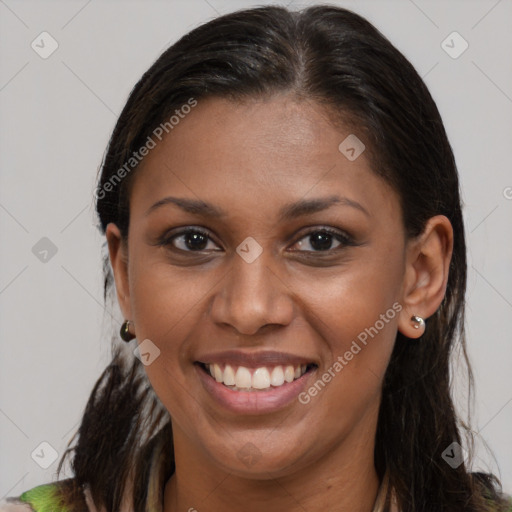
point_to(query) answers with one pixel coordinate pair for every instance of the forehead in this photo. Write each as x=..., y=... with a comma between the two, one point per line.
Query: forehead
x=269, y=151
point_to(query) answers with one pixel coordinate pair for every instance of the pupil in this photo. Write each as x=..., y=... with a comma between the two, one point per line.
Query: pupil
x=321, y=241
x=196, y=241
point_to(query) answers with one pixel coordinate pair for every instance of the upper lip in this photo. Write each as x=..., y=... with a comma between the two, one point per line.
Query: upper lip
x=254, y=359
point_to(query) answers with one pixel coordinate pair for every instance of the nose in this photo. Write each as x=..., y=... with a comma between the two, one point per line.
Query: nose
x=252, y=296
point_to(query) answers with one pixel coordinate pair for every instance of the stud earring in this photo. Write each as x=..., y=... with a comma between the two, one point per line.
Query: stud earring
x=418, y=322
x=125, y=333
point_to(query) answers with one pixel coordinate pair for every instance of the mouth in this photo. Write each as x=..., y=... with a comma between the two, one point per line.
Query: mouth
x=261, y=379
x=254, y=390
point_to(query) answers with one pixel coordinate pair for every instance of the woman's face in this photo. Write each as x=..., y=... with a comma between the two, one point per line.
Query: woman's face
x=263, y=288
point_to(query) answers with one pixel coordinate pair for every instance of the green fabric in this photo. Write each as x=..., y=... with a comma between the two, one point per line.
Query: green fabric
x=43, y=498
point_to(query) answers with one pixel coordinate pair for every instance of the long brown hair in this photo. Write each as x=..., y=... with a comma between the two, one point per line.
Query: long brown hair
x=340, y=60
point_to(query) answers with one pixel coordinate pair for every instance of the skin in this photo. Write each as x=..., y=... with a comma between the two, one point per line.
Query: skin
x=250, y=159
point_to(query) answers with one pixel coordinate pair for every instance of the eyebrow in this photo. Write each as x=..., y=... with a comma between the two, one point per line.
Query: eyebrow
x=287, y=212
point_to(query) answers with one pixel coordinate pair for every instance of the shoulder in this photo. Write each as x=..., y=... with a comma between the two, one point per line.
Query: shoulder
x=59, y=496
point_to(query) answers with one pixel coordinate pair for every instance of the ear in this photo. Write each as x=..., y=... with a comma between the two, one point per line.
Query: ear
x=426, y=275
x=118, y=252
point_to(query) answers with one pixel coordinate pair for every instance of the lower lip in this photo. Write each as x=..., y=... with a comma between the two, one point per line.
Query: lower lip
x=253, y=402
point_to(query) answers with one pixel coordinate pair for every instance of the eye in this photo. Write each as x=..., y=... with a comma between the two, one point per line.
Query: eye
x=322, y=240
x=197, y=240
x=190, y=240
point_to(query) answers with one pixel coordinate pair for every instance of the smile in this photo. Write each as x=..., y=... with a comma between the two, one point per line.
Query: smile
x=242, y=378
x=254, y=389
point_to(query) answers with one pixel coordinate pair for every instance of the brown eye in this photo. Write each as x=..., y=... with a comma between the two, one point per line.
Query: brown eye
x=323, y=240
x=191, y=240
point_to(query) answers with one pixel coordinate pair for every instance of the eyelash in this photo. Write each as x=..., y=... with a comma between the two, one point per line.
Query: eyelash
x=343, y=238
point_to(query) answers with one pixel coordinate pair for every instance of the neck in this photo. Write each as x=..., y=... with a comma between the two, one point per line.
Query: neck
x=344, y=479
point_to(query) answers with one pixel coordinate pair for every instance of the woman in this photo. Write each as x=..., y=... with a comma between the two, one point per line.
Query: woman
x=282, y=212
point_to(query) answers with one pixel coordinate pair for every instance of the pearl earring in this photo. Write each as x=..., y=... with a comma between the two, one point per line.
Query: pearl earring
x=418, y=322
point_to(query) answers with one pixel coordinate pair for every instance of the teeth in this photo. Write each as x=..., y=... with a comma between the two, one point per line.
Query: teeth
x=243, y=378
x=217, y=373
x=277, y=377
x=260, y=378
x=229, y=376
x=289, y=374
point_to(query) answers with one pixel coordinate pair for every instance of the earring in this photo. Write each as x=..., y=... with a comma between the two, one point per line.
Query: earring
x=418, y=322
x=125, y=333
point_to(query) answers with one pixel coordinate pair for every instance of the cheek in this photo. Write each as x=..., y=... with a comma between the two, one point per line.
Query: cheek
x=165, y=308
x=165, y=305
x=359, y=334
x=355, y=311
x=163, y=298
x=352, y=298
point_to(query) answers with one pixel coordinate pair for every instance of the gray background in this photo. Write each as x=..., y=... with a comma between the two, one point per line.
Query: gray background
x=57, y=115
